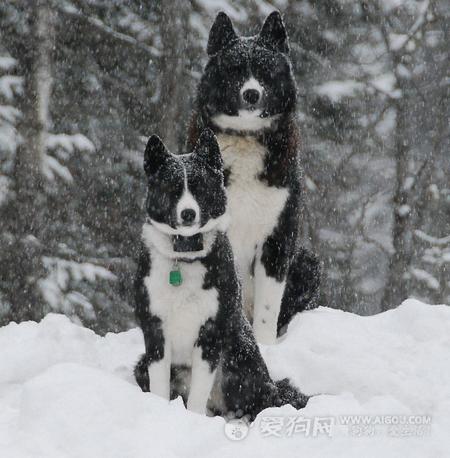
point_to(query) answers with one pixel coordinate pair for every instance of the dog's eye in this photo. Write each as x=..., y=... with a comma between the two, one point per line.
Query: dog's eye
x=272, y=72
x=235, y=67
x=230, y=64
x=159, y=182
x=276, y=70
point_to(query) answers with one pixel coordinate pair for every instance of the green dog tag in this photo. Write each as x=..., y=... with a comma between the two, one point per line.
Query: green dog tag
x=175, y=278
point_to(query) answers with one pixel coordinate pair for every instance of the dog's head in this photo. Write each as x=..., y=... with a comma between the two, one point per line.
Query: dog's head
x=248, y=81
x=186, y=193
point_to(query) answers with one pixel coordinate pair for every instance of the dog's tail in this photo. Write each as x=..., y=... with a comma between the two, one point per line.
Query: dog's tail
x=302, y=287
x=288, y=394
x=141, y=373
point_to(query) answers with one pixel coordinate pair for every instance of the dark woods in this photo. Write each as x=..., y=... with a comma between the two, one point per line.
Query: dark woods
x=84, y=83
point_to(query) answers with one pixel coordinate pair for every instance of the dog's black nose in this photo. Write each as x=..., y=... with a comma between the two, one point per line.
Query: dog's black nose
x=251, y=96
x=188, y=216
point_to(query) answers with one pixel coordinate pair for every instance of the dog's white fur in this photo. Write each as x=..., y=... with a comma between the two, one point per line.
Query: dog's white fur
x=159, y=374
x=183, y=310
x=268, y=296
x=158, y=235
x=187, y=201
x=246, y=120
x=202, y=380
x=252, y=83
x=254, y=210
x=220, y=223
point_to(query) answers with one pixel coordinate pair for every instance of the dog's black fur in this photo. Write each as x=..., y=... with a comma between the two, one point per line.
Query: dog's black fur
x=232, y=61
x=224, y=335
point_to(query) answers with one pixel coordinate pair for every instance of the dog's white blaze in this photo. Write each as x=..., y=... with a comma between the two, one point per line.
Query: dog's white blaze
x=183, y=309
x=254, y=207
x=252, y=83
x=246, y=120
x=187, y=201
x=159, y=374
x=268, y=296
x=202, y=380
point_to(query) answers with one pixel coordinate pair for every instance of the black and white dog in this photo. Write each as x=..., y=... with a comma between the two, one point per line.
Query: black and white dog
x=188, y=297
x=247, y=96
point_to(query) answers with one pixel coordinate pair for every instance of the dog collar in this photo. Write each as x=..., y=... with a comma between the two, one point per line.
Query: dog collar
x=183, y=244
x=187, y=244
x=185, y=249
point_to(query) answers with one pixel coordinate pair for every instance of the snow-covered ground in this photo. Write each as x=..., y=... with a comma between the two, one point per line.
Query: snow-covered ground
x=67, y=392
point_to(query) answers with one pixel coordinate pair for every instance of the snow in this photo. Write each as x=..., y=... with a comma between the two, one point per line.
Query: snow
x=55, y=288
x=397, y=40
x=7, y=63
x=235, y=12
x=69, y=143
x=51, y=168
x=10, y=86
x=389, y=5
x=336, y=90
x=386, y=84
x=63, y=146
x=9, y=114
x=425, y=277
x=433, y=240
x=67, y=392
x=8, y=139
x=404, y=210
x=4, y=188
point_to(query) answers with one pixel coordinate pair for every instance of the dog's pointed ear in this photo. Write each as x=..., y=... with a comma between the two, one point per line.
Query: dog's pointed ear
x=273, y=33
x=208, y=151
x=222, y=32
x=155, y=154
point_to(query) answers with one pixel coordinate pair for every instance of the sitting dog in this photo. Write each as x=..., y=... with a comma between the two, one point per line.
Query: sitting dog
x=247, y=96
x=188, y=297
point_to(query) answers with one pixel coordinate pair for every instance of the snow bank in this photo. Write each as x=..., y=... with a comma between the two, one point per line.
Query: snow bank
x=67, y=392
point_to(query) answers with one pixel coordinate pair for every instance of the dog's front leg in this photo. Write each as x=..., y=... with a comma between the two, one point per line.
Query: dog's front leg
x=268, y=293
x=159, y=373
x=202, y=379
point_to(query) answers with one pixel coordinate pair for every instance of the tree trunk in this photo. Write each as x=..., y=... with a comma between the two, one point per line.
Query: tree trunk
x=396, y=288
x=26, y=214
x=174, y=37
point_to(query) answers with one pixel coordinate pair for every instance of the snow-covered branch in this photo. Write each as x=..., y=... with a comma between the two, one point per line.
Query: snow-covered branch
x=439, y=241
x=105, y=30
x=398, y=42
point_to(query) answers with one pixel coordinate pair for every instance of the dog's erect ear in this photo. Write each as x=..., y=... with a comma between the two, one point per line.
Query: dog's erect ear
x=155, y=154
x=273, y=33
x=221, y=34
x=207, y=149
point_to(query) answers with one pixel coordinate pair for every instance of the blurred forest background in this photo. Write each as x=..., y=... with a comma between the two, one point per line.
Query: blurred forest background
x=83, y=83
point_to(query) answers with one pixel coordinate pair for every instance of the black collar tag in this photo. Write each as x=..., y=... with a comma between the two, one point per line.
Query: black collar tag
x=182, y=244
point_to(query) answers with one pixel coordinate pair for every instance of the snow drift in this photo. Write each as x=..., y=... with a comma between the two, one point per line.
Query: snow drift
x=382, y=384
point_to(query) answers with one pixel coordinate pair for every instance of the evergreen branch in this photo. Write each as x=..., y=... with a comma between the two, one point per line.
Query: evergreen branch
x=105, y=30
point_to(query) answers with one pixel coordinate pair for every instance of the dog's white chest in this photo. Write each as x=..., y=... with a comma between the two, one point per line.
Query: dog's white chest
x=183, y=309
x=254, y=207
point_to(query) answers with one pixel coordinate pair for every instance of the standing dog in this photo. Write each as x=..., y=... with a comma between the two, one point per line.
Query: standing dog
x=247, y=95
x=188, y=298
